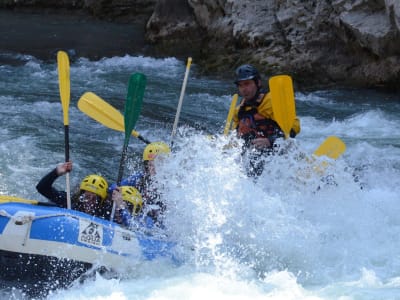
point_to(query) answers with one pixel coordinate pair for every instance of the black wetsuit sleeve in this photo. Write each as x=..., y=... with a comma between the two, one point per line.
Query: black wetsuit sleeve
x=45, y=187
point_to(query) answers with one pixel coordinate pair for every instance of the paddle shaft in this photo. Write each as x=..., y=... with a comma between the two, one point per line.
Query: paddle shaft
x=230, y=114
x=67, y=176
x=6, y=199
x=122, y=164
x=178, y=110
x=66, y=142
x=120, y=174
x=133, y=106
x=65, y=93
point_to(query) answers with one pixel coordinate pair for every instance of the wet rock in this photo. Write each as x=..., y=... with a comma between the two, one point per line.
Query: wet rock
x=173, y=28
x=318, y=42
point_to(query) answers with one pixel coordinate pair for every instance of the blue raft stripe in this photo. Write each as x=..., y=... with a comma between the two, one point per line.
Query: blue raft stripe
x=3, y=223
x=61, y=225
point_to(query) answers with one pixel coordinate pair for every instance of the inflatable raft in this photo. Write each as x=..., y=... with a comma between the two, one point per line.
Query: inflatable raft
x=42, y=243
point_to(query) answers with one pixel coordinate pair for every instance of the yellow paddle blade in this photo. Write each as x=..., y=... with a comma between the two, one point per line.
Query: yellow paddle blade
x=283, y=105
x=104, y=113
x=230, y=114
x=332, y=147
x=5, y=198
x=64, y=82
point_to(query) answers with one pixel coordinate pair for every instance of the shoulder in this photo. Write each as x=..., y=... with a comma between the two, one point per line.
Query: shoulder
x=266, y=102
x=133, y=179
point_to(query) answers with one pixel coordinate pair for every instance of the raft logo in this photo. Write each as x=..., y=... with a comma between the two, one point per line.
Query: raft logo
x=126, y=236
x=90, y=233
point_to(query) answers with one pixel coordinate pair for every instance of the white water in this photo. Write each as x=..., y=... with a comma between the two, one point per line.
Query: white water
x=288, y=235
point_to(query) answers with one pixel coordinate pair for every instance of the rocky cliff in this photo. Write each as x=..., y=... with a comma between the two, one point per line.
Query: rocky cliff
x=354, y=42
x=318, y=42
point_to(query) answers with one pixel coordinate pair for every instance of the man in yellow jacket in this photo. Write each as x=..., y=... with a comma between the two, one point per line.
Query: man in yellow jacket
x=254, y=118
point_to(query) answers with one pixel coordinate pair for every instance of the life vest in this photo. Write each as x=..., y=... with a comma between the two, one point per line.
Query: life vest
x=253, y=125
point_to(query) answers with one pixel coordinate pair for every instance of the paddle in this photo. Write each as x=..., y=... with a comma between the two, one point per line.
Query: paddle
x=331, y=147
x=64, y=84
x=133, y=106
x=104, y=113
x=178, y=110
x=230, y=114
x=6, y=199
x=283, y=105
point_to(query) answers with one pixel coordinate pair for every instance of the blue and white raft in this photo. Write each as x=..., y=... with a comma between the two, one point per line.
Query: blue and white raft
x=48, y=243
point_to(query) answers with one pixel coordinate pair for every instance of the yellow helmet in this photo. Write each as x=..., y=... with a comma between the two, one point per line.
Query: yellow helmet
x=133, y=197
x=95, y=184
x=153, y=149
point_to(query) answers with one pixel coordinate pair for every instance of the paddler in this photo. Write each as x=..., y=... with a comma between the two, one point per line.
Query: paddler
x=90, y=198
x=254, y=119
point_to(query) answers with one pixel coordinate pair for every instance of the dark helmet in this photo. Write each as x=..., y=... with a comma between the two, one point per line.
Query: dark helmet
x=246, y=72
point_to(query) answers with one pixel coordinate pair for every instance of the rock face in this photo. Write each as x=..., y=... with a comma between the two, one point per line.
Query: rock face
x=352, y=42
x=318, y=42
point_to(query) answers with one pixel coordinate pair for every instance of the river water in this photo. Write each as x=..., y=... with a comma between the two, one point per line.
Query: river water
x=291, y=234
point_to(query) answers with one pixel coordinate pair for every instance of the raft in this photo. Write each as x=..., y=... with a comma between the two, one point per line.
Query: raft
x=44, y=243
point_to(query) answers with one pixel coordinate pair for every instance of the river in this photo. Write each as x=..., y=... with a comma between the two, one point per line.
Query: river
x=291, y=234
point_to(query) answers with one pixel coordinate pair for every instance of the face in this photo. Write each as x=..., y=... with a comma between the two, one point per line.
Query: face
x=89, y=202
x=247, y=88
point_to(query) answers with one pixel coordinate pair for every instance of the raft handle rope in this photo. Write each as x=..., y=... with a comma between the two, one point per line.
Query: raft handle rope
x=24, y=219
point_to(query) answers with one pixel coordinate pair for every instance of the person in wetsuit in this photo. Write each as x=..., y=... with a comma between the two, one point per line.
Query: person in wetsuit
x=90, y=198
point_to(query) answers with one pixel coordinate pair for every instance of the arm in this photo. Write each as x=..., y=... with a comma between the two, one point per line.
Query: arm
x=124, y=216
x=45, y=185
x=132, y=180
